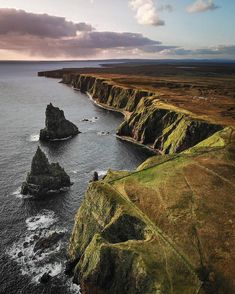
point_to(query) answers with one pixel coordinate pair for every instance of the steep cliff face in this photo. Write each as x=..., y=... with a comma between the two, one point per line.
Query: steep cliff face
x=105, y=92
x=165, y=129
x=159, y=126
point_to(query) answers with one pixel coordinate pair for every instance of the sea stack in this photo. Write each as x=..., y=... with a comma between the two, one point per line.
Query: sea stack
x=57, y=126
x=44, y=178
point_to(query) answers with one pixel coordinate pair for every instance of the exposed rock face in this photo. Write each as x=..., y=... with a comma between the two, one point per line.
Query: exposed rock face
x=57, y=126
x=166, y=130
x=44, y=178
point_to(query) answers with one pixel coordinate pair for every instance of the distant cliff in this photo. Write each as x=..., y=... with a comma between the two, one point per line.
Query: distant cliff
x=162, y=127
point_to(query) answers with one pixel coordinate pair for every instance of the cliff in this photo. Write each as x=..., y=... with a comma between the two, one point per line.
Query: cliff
x=44, y=178
x=162, y=127
x=57, y=126
x=162, y=228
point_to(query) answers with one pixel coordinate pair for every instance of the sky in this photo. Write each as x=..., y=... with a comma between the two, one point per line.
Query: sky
x=102, y=29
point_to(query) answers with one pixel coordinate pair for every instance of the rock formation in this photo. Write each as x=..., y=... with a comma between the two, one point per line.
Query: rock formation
x=44, y=178
x=57, y=126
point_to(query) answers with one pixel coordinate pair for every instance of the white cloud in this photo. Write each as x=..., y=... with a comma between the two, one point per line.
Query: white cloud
x=146, y=12
x=201, y=6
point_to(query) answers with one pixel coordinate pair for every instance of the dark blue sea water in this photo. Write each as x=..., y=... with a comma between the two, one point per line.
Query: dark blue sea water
x=23, y=99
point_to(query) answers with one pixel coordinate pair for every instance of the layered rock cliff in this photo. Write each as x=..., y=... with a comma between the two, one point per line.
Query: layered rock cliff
x=44, y=178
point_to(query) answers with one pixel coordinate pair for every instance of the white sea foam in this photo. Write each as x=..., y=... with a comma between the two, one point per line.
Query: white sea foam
x=102, y=173
x=36, y=263
x=74, y=288
x=63, y=139
x=17, y=194
x=43, y=220
x=54, y=269
x=34, y=138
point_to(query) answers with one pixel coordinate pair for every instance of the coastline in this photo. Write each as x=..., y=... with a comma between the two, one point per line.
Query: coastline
x=130, y=209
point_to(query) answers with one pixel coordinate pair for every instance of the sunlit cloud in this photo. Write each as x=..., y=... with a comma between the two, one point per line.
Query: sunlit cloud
x=201, y=6
x=146, y=12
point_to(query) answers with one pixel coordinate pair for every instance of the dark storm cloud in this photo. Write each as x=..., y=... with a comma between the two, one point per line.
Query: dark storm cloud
x=43, y=25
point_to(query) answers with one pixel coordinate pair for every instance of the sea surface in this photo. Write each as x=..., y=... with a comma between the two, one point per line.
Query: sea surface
x=23, y=100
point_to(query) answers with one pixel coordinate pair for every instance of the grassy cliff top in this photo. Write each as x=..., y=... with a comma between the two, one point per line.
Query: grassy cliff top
x=188, y=199
x=206, y=89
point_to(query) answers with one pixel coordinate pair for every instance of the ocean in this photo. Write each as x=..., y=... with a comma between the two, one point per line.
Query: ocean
x=23, y=100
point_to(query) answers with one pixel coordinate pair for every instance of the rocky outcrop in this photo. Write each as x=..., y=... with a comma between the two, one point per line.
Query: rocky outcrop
x=44, y=178
x=57, y=126
x=47, y=242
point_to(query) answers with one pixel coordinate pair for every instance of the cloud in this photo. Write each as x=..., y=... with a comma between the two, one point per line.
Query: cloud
x=146, y=12
x=43, y=25
x=201, y=6
x=52, y=37
x=46, y=36
x=219, y=50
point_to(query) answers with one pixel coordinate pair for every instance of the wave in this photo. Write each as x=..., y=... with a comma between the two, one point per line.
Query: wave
x=34, y=138
x=43, y=220
x=35, y=262
x=18, y=194
x=102, y=173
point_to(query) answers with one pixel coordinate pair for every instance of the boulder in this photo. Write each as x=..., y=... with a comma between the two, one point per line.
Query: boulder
x=44, y=178
x=47, y=242
x=57, y=126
